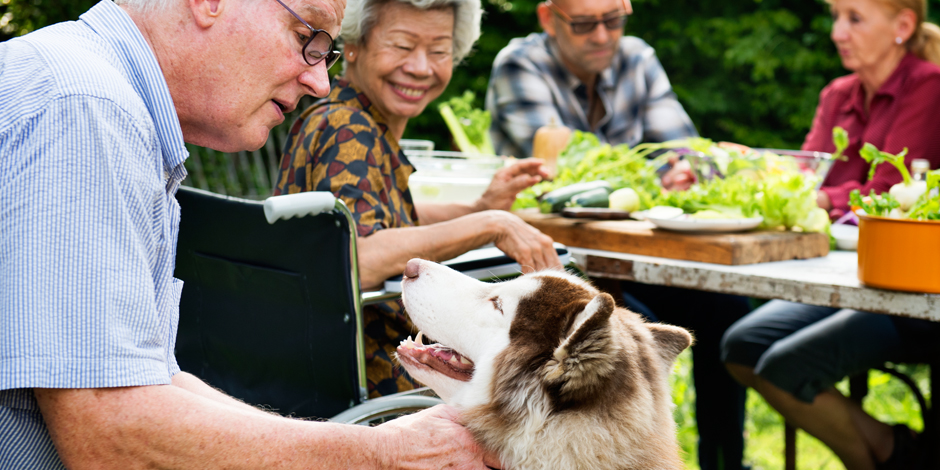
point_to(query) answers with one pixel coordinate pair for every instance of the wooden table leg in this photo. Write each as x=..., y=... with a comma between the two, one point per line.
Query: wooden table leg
x=789, y=446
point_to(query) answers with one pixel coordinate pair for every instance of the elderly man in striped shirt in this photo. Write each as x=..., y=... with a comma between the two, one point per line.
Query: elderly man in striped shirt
x=93, y=118
x=583, y=73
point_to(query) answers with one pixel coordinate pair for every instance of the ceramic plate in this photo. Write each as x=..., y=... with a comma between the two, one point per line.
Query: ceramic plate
x=684, y=223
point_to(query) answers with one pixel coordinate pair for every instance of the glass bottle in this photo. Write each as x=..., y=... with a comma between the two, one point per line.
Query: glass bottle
x=919, y=169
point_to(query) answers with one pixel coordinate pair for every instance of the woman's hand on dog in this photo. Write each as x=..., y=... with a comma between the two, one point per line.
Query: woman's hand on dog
x=432, y=439
x=532, y=249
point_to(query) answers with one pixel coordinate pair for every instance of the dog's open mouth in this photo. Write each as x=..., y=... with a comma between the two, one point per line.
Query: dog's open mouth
x=436, y=356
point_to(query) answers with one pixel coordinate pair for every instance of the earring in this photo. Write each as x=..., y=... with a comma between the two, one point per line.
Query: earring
x=350, y=53
x=898, y=40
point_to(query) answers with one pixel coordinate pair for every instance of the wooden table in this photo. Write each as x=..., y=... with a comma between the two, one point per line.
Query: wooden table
x=830, y=280
x=768, y=265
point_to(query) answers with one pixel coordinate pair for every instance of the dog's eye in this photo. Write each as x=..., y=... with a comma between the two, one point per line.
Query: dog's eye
x=497, y=304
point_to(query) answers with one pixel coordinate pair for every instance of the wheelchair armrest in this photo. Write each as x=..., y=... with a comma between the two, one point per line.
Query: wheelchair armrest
x=298, y=205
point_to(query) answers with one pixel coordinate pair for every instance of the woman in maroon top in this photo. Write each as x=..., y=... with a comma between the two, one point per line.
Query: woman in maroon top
x=793, y=354
x=890, y=101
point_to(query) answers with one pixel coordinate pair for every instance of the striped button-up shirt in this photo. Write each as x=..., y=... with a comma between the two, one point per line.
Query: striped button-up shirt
x=530, y=87
x=91, y=155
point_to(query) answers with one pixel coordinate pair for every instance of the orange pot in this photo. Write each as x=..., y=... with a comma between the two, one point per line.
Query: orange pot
x=899, y=254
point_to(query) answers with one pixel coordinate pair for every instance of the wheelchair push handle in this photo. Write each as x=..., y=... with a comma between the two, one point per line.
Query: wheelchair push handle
x=298, y=205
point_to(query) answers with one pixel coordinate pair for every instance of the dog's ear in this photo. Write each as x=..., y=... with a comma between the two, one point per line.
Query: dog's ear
x=580, y=363
x=671, y=340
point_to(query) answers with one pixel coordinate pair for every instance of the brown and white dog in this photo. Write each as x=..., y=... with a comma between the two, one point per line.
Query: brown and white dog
x=547, y=371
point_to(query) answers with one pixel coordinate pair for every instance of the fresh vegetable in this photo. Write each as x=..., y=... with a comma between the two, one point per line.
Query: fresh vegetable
x=841, y=140
x=927, y=206
x=906, y=192
x=549, y=141
x=742, y=184
x=554, y=201
x=586, y=159
x=598, y=197
x=625, y=199
x=879, y=205
x=469, y=126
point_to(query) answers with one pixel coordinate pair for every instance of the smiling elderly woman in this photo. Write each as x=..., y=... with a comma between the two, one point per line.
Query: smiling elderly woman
x=399, y=56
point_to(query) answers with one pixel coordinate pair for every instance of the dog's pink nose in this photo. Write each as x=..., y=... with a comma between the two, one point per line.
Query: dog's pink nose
x=413, y=268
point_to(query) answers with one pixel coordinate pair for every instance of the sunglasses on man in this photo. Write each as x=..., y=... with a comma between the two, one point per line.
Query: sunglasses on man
x=612, y=21
x=319, y=46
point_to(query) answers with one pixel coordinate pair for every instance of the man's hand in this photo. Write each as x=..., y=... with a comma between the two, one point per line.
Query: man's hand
x=432, y=439
x=679, y=177
x=508, y=181
x=532, y=249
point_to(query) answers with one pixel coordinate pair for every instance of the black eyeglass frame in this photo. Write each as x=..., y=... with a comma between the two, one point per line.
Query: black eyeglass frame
x=330, y=55
x=577, y=27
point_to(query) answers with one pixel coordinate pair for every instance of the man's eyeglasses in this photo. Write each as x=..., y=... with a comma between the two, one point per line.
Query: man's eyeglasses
x=612, y=23
x=319, y=45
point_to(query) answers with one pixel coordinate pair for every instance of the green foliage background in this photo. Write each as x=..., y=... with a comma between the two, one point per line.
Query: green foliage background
x=748, y=71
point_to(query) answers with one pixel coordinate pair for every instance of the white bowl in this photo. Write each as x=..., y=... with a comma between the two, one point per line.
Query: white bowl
x=846, y=236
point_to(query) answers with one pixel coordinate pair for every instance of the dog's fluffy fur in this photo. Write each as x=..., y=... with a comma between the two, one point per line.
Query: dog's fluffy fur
x=548, y=372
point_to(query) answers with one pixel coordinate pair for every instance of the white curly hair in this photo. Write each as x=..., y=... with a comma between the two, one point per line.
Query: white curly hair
x=362, y=15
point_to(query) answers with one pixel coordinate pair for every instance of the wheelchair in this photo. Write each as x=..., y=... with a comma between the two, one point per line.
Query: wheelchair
x=271, y=309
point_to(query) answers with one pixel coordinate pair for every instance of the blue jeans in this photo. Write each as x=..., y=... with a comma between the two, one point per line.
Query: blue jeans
x=805, y=349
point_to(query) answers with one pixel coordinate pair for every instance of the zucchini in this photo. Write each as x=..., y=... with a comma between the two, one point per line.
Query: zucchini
x=598, y=197
x=554, y=201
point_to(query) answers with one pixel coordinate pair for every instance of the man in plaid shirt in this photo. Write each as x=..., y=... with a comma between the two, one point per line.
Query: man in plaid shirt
x=582, y=72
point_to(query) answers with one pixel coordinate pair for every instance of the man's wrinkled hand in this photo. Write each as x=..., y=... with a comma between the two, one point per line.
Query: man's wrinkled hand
x=679, y=177
x=433, y=439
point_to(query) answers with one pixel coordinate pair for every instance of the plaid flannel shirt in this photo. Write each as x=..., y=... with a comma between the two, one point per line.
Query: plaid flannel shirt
x=529, y=86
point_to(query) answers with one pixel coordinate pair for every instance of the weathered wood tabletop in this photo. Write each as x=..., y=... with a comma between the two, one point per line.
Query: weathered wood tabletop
x=642, y=238
x=830, y=280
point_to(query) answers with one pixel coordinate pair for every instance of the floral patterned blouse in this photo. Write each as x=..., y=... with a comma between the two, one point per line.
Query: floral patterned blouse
x=341, y=144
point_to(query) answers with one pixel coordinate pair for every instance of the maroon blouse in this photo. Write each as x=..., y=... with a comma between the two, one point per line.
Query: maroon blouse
x=905, y=112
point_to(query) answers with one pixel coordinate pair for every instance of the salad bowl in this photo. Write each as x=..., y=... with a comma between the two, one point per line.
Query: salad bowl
x=706, y=167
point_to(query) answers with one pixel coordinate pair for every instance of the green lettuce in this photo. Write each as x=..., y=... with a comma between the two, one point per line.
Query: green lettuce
x=469, y=126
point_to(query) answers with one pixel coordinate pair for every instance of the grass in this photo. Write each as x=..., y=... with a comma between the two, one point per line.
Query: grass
x=888, y=400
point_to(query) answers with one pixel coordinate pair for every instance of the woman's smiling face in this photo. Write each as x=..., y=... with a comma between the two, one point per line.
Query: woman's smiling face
x=406, y=60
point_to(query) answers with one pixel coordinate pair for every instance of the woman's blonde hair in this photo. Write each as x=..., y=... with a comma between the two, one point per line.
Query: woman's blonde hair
x=925, y=42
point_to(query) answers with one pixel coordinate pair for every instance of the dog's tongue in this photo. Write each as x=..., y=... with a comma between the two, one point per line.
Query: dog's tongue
x=437, y=357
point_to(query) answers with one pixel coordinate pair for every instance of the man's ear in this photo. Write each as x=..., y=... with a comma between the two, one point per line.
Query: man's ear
x=545, y=19
x=206, y=12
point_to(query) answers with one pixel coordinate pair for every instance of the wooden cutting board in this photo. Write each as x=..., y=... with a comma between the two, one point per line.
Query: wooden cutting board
x=642, y=238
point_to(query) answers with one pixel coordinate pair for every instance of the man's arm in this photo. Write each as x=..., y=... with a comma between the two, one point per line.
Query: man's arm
x=166, y=426
x=520, y=100
x=193, y=384
x=665, y=118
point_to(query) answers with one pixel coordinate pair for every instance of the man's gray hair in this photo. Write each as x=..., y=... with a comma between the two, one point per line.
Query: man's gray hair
x=147, y=6
x=362, y=15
